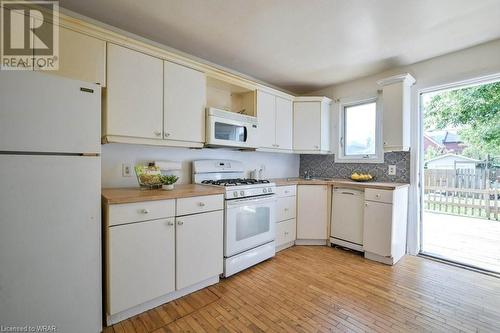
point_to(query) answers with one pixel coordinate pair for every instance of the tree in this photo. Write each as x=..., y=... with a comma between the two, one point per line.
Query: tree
x=431, y=152
x=475, y=111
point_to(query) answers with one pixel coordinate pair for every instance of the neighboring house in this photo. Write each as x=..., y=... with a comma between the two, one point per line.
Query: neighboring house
x=452, y=162
x=446, y=141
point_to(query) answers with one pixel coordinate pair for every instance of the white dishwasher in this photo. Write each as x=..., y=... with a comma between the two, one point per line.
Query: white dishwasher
x=347, y=218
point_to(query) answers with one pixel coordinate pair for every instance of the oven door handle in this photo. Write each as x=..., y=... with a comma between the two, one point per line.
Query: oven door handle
x=239, y=202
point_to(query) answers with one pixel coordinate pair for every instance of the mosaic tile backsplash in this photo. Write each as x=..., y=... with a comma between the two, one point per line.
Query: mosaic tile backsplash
x=325, y=166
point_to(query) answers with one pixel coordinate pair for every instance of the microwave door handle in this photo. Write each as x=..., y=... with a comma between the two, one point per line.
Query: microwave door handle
x=245, y=133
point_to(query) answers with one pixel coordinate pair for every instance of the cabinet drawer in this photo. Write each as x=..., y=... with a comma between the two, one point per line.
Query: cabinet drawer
x=285, y=232
x=140, y=211
x=285, y=208
x=285, y=191
x=207, y=203
x=378, y=195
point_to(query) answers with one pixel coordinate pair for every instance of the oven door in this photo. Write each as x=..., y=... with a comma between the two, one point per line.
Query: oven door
x=229, y=133
x=249, y=223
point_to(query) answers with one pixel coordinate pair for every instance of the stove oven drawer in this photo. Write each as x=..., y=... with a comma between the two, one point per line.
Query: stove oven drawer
x=194, y=205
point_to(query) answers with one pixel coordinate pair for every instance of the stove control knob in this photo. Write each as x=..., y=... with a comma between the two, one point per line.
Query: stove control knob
x=264, y=190
x=235, y=194
x=270, y=190
x=242, y=193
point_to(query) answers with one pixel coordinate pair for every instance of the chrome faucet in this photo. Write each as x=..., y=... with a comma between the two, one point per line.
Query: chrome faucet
x=307, y=174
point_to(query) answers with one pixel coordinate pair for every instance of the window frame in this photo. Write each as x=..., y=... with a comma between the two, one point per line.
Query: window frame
x=378, y=157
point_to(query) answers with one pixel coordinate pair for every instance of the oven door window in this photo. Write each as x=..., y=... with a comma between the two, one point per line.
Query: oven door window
x=230, y=132
x=248, y=225
x=252, y=221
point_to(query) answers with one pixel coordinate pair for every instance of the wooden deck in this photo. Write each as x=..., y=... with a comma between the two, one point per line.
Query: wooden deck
x=468, y=240
x=320, y=289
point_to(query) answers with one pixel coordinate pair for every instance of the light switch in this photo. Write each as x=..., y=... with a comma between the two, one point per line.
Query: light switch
x=126, y=170
x=392, y=170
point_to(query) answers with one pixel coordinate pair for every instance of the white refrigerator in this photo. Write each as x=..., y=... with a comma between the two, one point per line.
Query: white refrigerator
x=50, y=215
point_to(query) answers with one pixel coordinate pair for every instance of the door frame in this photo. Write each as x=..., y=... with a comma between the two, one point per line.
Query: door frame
x=419, y=161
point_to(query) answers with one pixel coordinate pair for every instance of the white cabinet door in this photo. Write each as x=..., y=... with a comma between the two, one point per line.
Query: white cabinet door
x=184, y=103
x=134, y=97
x=199, y=245
x=284, y=123
x=266, y=115
x=285, y=232
x=81, y=57
x=377, y=233
x=312, y=211
x=307, y=126
x=141, y=263
x=286, y=208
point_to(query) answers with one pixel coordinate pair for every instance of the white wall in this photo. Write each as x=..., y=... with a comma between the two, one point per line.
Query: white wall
x=113, y=155
x=467, y=64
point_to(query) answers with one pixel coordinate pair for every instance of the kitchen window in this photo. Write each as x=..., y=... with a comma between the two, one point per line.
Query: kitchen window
x=360, y=135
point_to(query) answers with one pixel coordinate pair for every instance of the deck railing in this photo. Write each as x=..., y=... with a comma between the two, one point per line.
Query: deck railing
x=470, y=192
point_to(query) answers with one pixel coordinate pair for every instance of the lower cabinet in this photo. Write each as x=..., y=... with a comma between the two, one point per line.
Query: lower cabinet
x=153, y=256
x=285, y=232
x=286, y=212
x=141, y=262
x=385, y=218
x=377, y=227
x=312, y=214
x=199, y=245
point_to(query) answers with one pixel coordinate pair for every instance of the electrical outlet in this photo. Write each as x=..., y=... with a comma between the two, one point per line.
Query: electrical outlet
x=392, y=170
x=126, y=170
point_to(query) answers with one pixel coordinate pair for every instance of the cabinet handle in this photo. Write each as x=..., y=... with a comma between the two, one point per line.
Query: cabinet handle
x=286, y=232
x=180, y=223
x=144, y=211
x=201, y=204
x=286, y=192
x=166, y=134
x=157, y=133
x=317, y=147
x=377, y=195
x=170, y=223
x=366, y=204
x=286, y=209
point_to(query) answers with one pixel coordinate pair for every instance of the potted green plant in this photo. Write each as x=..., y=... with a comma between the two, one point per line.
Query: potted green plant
x=168, y=181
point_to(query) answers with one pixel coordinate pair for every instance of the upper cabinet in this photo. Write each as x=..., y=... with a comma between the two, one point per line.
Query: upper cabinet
x=152, y=101
x=284, y=123
x=275, y=117
x=396, y=105
x=134, y=98
x=81, y=57
x=184, y=102
x=311, y=125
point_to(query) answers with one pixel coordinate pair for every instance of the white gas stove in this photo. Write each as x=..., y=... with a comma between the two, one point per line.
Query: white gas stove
x=230, y=174
x=249, y=223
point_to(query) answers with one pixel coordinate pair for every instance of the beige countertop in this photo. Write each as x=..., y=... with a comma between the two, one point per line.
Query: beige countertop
x=128, y=195
x=339, y=182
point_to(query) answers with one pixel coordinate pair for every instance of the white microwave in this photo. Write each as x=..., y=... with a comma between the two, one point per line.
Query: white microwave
x=230, y=129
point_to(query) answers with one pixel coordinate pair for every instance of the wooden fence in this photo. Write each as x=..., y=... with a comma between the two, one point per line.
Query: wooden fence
x=463, y=191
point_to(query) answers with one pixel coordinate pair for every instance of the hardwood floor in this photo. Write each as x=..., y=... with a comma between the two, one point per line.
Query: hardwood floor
x=320, y=289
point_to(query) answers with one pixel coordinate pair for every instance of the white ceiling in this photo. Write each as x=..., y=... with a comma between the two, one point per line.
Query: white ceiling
x=303, y=45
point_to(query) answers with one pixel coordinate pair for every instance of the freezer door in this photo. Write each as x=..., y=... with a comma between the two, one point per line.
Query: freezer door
x=45, y=113
x=50, y=241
